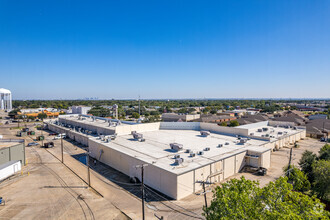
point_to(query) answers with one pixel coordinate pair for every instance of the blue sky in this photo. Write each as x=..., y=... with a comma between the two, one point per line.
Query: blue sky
x=165, y=49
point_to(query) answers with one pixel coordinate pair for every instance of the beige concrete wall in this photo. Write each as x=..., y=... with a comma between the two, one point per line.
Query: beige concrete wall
x=281, y=123
x=217, y=171
x=223, y=130
x=201, y=174
x=266, y=159
x=229, y=167
x=127, y=129
x=179, y=125
x=79, y=137
x=240, y=161
x=155, y=177
x=185, y=184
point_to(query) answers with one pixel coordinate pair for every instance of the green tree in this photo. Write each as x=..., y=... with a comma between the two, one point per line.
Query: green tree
x=244, y=199
x=321, y=184
x=135, y=115
x=42, y=116
x=31, y=117
x=223, y=123
x=100, y=112
x=324, y=153
x=306, y=162
x=13, y=113
x=233, y=123
x=297, y=178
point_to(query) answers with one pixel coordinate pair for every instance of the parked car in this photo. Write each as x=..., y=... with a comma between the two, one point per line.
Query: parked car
x=52, y=134
x=33, y=144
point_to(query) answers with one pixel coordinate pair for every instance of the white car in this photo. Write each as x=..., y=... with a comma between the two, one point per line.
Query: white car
x=33, y=144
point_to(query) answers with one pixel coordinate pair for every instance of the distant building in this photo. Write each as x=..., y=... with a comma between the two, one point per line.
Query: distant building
x=174, y=117
x=215, y=118
x=83, y=110
x=318, y=116
x=318, y=128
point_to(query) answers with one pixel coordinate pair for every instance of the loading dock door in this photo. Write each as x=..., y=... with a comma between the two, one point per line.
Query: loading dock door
x=254, y=161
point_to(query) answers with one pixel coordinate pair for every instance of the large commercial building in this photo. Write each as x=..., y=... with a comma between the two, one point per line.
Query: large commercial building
x=178, y=154
x=83, y=110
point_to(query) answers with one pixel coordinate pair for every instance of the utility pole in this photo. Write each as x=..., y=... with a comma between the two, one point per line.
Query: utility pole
x=204, y=192
x=62, y=147
x=142, y=187
x=139, y=105
x=290, y=158
x=88, y=171
x=42, y=139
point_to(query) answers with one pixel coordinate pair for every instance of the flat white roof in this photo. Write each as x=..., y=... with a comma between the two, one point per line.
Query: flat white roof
x=156, y=148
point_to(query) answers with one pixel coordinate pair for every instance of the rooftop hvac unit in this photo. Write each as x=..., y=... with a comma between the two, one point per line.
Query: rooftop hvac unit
x=259, y=130
x=141, y=139
x=133, y=132
x=243, y=141
x=267, y=135
x=176, y=156
x=206, y=149
x=188, y=151
x=294, y=128
x=227, y=143
x=192, y=154
x=265, y=129
x=137, y=135
x=200, y=152
x=220, y=145
x=251, y=134
x=113, y=136
x=205, y=133
x=176, y=146
x=279, y=133
x=178, y=161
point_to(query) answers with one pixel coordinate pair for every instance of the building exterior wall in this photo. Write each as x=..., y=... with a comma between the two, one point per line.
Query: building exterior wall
x=10, y=168
x=15, y=152
x=224, y=130
x=155, y=177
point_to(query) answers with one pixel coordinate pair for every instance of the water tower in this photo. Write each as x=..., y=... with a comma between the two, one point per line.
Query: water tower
x=5, y=99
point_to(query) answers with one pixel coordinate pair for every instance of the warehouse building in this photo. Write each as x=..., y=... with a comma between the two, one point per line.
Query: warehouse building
x=12, y=157
x=178, y=154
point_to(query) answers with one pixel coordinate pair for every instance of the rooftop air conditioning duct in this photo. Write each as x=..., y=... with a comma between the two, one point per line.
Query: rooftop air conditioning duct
x=137, y=135
x=178, y=161
x=176, y=146
x=243, y=141
x=205, y=133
